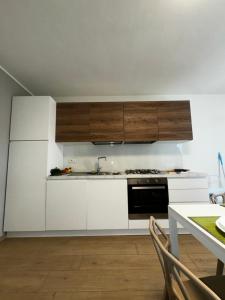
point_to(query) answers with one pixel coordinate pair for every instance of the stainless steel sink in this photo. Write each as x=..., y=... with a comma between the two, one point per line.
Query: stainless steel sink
x=93, y=173
x=99, y=173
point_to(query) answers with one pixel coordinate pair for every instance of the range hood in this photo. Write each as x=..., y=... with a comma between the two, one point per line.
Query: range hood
x=123, y=142
x=139, y=142
x=108, y=143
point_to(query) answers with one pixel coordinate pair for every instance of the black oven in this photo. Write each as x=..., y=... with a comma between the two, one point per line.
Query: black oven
x=146, y=197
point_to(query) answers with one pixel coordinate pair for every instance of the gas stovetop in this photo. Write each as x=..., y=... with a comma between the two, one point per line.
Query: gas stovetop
x=143, y=171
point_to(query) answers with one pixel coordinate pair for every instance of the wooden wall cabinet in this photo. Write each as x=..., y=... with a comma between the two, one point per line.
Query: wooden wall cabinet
x=106, y=122
x=72, y=122
x=140, y=121
x=174, y=120
x=124, y=121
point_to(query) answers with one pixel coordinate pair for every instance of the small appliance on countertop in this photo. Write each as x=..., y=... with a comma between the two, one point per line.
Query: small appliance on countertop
x=58, y=172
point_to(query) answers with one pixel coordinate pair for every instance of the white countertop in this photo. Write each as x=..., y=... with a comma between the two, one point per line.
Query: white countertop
x=125, y=176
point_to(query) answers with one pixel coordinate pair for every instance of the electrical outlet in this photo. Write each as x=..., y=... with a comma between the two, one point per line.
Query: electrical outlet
x=71, y=161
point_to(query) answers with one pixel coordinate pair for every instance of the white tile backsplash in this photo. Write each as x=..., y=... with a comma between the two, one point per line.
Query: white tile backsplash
x=160, y=155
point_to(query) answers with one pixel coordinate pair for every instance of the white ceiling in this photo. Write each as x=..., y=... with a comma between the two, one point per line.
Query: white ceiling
x=114, y=47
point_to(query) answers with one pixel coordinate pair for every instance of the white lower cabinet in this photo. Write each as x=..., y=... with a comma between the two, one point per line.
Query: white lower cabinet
x=189, y=196
x=26, y=186
x=66, y=205
x=107, y=204
x=188, y=190
x=86, y=204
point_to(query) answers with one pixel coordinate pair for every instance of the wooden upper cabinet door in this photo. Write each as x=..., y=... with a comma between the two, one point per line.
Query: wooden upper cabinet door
x=106, y=122
x=72, y=122
x=140, y=121
x=175, y=120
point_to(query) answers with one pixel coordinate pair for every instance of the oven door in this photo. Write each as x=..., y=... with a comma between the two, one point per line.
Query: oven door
x=147, y=199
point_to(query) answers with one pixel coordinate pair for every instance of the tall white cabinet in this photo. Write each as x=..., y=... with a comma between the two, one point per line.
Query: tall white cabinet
x=33, y=118
x=32, y=153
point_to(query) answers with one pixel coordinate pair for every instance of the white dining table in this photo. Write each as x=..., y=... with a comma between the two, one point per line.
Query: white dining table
x=181, y=214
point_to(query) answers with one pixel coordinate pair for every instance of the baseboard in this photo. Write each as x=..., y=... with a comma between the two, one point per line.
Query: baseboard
x=84, y=233
x=2, y=237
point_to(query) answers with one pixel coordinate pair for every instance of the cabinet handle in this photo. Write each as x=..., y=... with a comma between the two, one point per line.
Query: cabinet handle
x=159, y=187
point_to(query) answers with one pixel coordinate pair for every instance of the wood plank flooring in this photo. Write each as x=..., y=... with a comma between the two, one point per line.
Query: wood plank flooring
x=82, y=268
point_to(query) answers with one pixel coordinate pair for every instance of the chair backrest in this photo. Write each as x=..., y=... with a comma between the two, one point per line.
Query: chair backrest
x=173, y=269
x=217, y=198
x=161, y=235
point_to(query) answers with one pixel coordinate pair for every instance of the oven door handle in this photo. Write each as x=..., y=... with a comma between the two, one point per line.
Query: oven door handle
x=158, y=187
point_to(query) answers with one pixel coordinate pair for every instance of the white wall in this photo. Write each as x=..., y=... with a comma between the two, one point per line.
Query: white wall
x=8, y=88
x=208, y=120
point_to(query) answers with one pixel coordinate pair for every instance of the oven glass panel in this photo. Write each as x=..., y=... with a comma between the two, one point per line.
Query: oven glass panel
x=148, y=199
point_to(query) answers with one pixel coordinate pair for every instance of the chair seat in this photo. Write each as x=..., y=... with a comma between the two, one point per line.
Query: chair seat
x=215, y=283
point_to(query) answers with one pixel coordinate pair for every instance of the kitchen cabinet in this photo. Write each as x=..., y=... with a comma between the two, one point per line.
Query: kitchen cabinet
x=143, y=121
x=66, y=205
x=33, y=118
x=140, y=121
x=86, y=204
x=106, y=121
x=72, y=122
x=174, y=120
x=107, y=204
x=26, y=186
x=32, y=153
x=188, y=190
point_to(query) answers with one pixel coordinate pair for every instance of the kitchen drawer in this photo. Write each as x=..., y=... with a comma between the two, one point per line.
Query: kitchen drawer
x=188, y=196
x=187, y=183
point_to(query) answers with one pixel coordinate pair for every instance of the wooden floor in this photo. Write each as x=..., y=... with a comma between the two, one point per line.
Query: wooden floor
x=109, y=268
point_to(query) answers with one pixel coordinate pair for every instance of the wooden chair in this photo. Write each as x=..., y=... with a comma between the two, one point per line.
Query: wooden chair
x=180, y=282
x=218, y=199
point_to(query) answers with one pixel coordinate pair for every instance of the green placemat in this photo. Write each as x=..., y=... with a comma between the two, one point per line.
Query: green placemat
x=209, y=224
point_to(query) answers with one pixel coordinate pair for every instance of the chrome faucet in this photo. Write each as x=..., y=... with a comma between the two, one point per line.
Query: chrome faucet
x=98, y=165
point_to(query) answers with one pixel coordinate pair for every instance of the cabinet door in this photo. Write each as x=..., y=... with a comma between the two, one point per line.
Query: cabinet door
x=31, y=118
x=106, y=121
x=66, y=205
x=26, y=186
x=107, y=204
x=140, y=121
x=72, y=122
x=189, y=196
x=187, y=183
x=174, y=120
